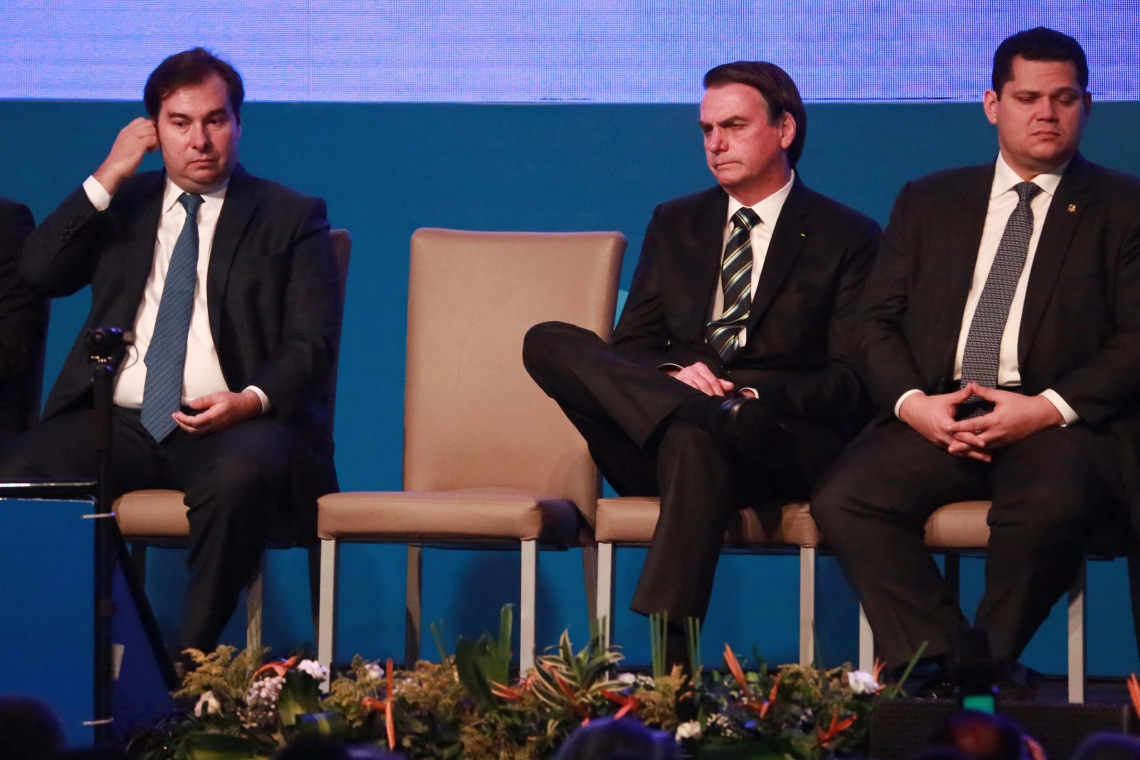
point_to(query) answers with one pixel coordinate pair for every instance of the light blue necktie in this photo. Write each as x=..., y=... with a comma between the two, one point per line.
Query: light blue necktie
x=166, y=357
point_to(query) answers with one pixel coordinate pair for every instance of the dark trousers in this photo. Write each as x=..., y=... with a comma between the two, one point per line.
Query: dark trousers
x=872, y=507
x=231, y=478
x=623, y=409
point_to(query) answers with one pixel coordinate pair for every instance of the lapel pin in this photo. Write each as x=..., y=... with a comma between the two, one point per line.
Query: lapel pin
x=1072, y=207
x=803, y=234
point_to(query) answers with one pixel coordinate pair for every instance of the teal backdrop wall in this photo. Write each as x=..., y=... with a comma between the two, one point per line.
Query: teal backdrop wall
x=387, y=169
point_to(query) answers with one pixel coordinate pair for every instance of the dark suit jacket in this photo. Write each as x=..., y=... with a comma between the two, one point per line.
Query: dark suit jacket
x=23, y=327
x=271, y=288
x=802, y=313
x=1080, y=330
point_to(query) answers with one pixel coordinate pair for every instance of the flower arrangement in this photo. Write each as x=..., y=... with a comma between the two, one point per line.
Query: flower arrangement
x=467, y=706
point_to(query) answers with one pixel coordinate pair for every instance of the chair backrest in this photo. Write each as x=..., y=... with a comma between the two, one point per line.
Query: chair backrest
x=473, y=418
x=342, y=247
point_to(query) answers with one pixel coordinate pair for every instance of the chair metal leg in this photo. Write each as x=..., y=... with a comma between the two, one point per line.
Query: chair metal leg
x=253, y=603
x=413, y=605
x=605, y=603
x=326, y=626
x=527, y=605
x=866, y=643
x=953, y=573
x=313, y=552
x=138, y=562
x=590, y=573
x=1077, y=645
x=807, y=605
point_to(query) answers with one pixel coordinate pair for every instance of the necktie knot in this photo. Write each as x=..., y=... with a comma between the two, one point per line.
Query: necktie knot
x=191, y=203
x=746, y=218
x=1027, y=191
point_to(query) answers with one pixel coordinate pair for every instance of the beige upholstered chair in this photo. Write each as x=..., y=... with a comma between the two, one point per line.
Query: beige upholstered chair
x=158, y=517
x=489, y=459
x=630, y=521
x=961, y=527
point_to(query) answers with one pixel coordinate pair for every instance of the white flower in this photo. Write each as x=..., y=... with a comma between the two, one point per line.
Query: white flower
x=374, y=671
x=208, y=704
x=629, y=679
x=690, y=730
x=318, y=671
x=862, y=682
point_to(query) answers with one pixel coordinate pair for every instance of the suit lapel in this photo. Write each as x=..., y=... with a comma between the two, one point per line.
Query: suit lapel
x=965, y=224
x=240, y=203
x=788, y=239
x=144, y=232
x=701, y=264
x=1056, y=235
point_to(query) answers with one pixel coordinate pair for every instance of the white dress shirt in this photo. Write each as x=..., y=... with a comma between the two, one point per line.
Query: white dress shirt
x=1003, y=201
x=761, y=235
x=203, y=372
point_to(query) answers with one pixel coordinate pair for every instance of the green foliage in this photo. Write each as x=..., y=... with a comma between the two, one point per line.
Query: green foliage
x=299, y=696
x=485, y=662
x=658, y=635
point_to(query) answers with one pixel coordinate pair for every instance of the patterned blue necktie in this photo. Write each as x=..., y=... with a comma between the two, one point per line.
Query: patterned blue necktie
x=736, y=283
x=982, y=355
x=166, y=357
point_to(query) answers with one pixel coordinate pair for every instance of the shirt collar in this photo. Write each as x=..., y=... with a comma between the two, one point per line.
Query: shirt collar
x=768, y=209
x=1005, y=179
x=213, y=199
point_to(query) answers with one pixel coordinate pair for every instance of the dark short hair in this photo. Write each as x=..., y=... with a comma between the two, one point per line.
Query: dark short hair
x=779, y=92
x=1038, y=44
x=186, y=69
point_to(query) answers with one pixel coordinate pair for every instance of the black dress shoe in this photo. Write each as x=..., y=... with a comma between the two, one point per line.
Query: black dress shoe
x=742, y=423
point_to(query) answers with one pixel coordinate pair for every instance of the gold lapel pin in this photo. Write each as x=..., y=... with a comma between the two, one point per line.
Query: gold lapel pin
x=1072, y=207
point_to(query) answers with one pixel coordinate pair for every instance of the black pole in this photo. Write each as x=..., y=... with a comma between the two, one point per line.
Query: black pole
x=104, y=556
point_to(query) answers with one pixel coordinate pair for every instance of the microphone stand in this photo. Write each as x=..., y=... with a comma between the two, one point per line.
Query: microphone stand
x=107, y=347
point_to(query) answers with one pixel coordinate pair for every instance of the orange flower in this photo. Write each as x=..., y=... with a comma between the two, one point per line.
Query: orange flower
x=877, y=670
x=837, y=727
x=278, y=668
x=389, y=718
x=628, y=704
x=737, y=672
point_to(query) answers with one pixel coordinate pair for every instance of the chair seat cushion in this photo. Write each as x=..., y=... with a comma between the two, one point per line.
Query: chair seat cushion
x=961, y=525
x=632, y=520
x=156, y=513
x=466, y=514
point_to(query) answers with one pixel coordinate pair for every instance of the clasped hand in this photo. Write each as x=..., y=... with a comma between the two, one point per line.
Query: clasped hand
x=1013, y=418
x=221, y=410
x=699, y=376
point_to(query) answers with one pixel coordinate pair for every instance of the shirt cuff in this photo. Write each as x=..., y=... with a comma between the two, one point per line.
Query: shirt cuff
x=904, y=397
x=261, y=395
x=668, y=366
x=96, y=193
x=755, y=393
x=1065, y=410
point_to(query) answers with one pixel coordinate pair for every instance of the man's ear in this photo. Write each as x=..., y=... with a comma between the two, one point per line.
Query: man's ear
x=787, y=131
x=990, y=105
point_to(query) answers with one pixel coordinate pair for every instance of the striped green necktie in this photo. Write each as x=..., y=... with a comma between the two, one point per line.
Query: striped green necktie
x=736, y=282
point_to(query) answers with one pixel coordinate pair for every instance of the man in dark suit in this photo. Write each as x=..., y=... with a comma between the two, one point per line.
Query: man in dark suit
x=728, y=381
x=999, y=336
x=229, y=284
x=23, y=327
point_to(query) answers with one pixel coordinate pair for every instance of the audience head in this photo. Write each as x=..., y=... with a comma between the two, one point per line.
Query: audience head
x=624, y=739
x=981, y=736
x=1040, y=100
x=195, y=100
x=29, y=730
x=754, y=124
x=1105, y=746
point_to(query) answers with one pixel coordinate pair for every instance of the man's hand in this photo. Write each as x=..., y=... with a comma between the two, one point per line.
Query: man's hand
x=134, y=141
x=1014, y=418
x=222, y=410
x=702, y=378
x=933, y=418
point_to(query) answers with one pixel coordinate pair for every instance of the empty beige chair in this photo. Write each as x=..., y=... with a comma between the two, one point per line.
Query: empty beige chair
x=158, y=517
x=489, y=459
x=960, y=527
x=630, y=521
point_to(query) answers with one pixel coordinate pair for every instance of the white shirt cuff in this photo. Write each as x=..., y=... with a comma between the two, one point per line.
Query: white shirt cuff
x=904, y=397
x=261, y=395
x=1065, y=410
x=668, y=366
x=96, y=193
x=755, y=393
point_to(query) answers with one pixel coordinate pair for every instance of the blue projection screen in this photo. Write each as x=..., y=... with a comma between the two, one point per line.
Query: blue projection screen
x=608, y=51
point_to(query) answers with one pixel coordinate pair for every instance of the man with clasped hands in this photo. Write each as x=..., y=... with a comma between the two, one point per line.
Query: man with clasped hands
x=229, y=283
x=999, y=336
